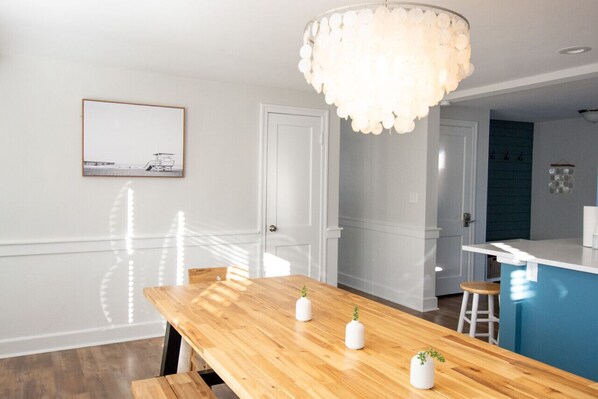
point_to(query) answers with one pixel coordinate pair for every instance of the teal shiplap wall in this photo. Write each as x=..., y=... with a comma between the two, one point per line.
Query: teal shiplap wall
x=509, y=180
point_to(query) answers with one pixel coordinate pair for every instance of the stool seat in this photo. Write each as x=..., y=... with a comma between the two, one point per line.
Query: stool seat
x=478, y=288
x=481, y=287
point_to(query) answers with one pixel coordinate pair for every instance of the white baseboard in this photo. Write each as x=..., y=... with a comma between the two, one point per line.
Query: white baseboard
x=430, y=304
x=78, y=339
x=382, y=291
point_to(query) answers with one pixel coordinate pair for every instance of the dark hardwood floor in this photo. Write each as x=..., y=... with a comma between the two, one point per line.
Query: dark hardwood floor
x=106, y=371
x=447, y=315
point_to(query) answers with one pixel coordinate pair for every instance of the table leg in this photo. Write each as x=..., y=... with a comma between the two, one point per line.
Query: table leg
x=170, y=353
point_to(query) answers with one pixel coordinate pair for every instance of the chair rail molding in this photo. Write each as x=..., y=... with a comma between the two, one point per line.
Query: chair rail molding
x=391, y=228
x=123, y=243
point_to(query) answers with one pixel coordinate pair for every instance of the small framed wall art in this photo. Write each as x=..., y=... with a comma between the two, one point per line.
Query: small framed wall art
x=126, y=139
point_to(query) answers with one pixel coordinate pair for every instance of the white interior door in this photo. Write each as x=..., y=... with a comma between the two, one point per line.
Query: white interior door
x=293, y=195
x=456, y=188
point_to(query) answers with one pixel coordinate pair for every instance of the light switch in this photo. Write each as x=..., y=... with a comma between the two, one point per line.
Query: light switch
x=531, y=271
x=413, y=198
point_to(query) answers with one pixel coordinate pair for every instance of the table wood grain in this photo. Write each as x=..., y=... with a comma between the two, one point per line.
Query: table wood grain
x=247, y=332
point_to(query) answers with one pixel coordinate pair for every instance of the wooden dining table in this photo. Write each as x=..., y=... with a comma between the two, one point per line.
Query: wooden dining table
x=247, y=332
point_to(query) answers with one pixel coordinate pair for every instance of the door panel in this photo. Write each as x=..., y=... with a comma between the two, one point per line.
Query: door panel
x=455, y=197
x=298, y=257
x=293, y=190
x=294, y=178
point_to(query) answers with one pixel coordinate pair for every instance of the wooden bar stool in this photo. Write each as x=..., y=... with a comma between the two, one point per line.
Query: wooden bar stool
x=478, y=288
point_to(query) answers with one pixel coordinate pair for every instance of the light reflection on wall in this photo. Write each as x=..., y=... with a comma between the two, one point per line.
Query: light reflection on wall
x=130, y=220
x=130, y=251
x=131, y=294
x=276, y=266
x=115, y=240
x=180, y=248
x=561, y=289
x=207, y=251
x=221, y=251
x=520, y=287
x=441, y=160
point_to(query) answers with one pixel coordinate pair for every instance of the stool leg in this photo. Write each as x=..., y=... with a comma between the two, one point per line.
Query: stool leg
x=498, y=335
x=463, y=310
x=474, y=314
x=490, y=318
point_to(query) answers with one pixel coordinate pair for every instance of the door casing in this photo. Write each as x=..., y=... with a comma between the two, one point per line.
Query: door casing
x=266, y=109
x=472, y=199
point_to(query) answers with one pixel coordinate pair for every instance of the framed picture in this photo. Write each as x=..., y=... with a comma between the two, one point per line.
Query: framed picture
x=124, y=139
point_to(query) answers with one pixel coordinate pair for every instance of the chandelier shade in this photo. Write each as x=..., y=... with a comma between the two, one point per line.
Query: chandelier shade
x=385, y=65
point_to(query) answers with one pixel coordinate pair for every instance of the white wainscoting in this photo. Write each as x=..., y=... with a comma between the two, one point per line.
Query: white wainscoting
x=72, y=293
x=392, y=261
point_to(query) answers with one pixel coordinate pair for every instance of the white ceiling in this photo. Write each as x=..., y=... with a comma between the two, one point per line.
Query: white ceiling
x=515, y=43
x=558, y=101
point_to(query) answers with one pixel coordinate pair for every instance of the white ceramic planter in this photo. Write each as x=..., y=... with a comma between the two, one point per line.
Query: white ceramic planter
x=303, y=309
x=422, y=375
x=354, y=335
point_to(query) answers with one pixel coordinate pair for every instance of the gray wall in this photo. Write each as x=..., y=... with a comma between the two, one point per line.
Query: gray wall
x=388, y=201
x=560, y=215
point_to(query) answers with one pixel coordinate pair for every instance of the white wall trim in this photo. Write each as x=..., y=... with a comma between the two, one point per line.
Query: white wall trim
x=21, y=346
x=473, y=125
x=121, y=243
x=430, y=304
x=333, y=233
x=391, y=228
x=388, y=293
x=529, y=82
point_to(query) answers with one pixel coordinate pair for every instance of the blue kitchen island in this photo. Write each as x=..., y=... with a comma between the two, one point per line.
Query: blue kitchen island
x=549, y=301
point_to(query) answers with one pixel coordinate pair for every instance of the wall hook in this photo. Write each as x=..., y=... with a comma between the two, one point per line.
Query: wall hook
x=520, y=157
x=507, y=156
x=492, y=156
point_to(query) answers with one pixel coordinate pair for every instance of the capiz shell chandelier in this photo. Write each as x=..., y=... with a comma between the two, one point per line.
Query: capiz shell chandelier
x=386, y=64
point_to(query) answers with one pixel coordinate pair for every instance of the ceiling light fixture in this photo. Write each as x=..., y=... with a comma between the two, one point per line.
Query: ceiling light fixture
x=574, y=50
x=590, y=115
x=386, y=64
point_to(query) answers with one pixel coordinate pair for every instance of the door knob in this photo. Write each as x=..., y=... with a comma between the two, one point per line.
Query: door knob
x=272, y=228
x=467, y=219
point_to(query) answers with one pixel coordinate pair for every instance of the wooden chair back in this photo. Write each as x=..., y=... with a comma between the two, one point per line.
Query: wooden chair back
x=210, y=274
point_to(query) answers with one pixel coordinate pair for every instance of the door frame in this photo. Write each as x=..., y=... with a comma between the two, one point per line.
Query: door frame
x=323, y=114
x=473, y=125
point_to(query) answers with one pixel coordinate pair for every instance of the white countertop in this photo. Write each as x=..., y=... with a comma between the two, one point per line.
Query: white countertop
x=564, y=253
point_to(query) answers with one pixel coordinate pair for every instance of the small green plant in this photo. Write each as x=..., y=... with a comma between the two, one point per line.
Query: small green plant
x=431, y=353
x=356, y=313
x=303, y=292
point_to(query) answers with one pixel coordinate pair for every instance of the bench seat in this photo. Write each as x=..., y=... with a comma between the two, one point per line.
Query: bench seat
x=174, y=386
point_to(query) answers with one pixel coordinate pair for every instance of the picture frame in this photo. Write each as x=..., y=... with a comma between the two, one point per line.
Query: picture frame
x=122, y=139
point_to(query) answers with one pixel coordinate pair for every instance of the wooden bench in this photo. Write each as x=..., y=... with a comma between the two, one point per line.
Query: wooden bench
x=174, y=386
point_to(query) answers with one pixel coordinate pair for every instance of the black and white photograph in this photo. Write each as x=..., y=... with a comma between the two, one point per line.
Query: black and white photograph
x=123, y=139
